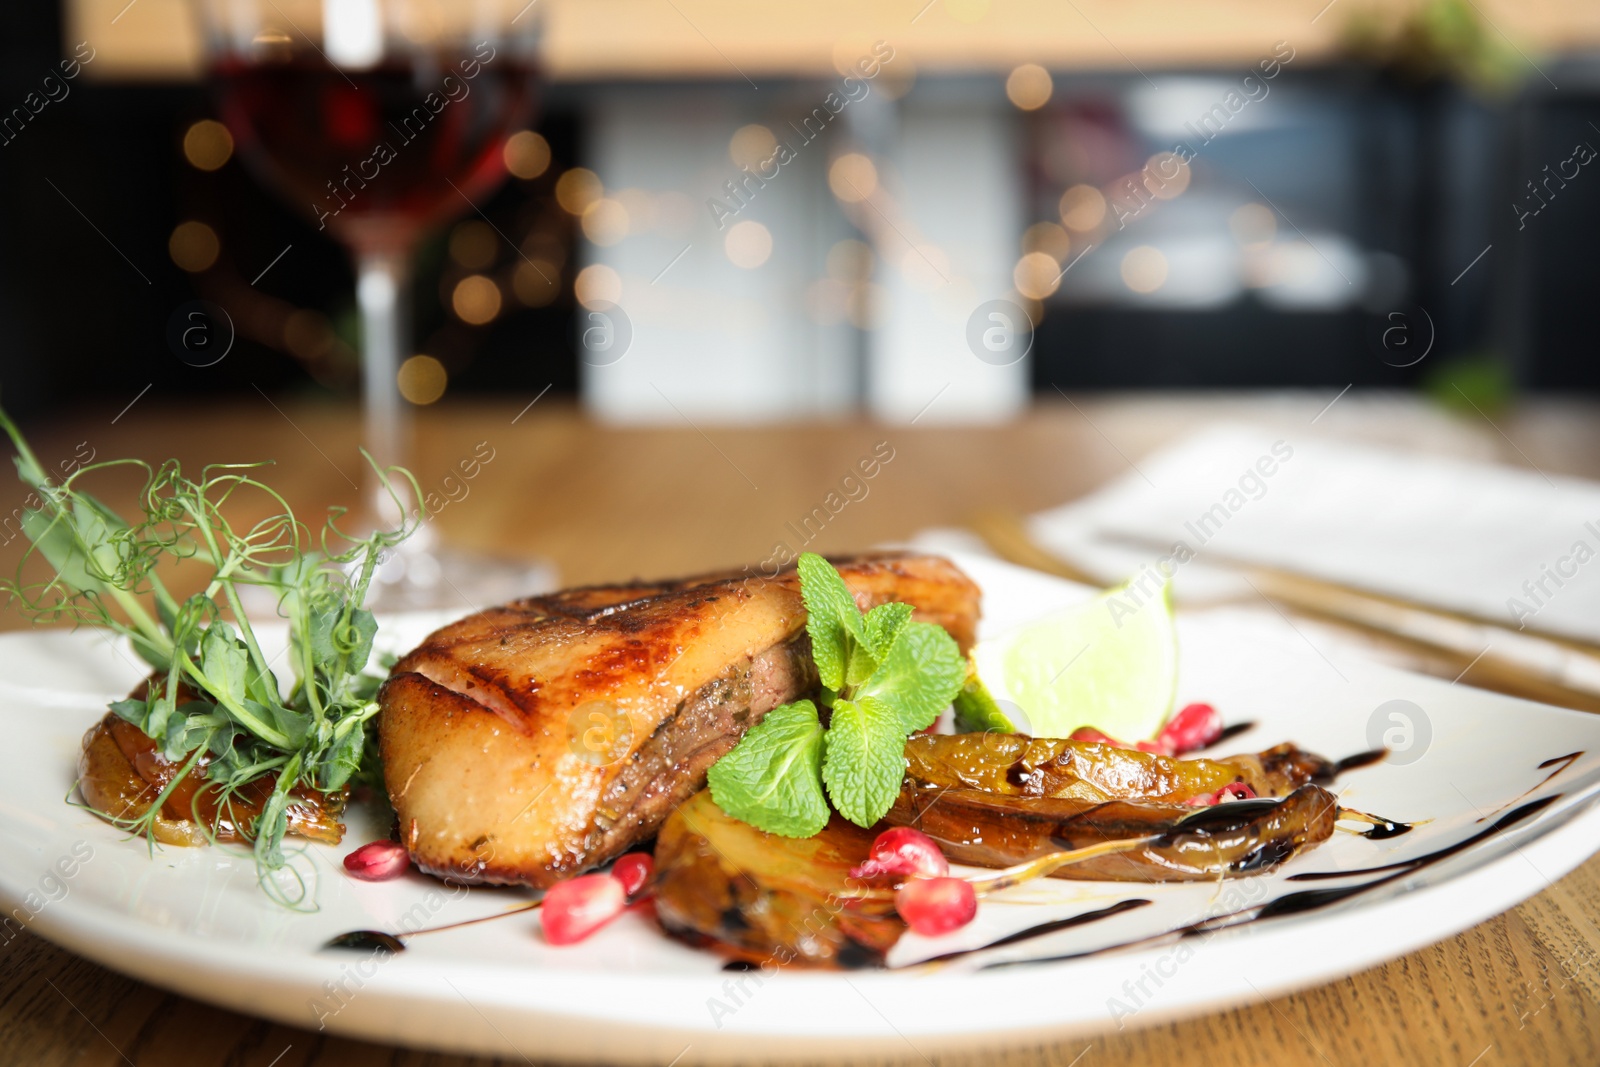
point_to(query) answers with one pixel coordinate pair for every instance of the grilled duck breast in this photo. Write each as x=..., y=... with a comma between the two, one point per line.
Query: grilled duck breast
x=532, y=741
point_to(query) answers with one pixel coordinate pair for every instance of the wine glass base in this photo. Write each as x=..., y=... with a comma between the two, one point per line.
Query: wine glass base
x=446, y=579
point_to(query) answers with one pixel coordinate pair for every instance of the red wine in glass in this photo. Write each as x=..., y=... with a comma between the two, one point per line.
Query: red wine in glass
x=376, y=153
x=380, y=154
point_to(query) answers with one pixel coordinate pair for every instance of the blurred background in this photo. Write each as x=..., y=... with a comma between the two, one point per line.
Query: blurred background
x=744, y=212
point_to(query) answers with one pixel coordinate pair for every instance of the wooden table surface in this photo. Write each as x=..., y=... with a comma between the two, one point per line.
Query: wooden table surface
x=603, y=503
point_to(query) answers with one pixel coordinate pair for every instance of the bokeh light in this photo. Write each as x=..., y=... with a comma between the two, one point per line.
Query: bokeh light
x=422, y=379
x=193, y=246
x=1036, y=275
x=475, y=299
x=1029, y=87
x=748, y=244
x=1083, y=208
x=597, y=284
x=526, y=154
x=1144, y=269
x=752, y=146
x=605, y=221
x=207, y=144
x=853, y=177
x=577, y=189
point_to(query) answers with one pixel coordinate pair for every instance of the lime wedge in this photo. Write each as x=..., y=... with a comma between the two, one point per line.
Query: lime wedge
x=1111, y=664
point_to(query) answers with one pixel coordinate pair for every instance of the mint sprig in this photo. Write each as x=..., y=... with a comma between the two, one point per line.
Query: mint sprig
x=884, y=677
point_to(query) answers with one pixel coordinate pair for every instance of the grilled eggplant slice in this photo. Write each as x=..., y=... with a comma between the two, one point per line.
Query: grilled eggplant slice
x=1235, y=838
x=1023, y=766
x=121, y=773
x=994, y=800
x=769, y=900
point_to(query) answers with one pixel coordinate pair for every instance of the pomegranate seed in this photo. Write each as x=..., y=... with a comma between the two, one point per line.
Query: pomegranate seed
x=578, y=907
x=1232, y=791
x=1089, y=733
x=1195, y=727
x=934, y=906
x=903, y=852
x=378, y=861
x=633, y=871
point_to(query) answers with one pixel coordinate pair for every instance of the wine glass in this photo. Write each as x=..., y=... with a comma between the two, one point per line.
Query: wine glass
x=381, y=119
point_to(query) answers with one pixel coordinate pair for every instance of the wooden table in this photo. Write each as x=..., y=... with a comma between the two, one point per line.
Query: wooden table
x=602, y=503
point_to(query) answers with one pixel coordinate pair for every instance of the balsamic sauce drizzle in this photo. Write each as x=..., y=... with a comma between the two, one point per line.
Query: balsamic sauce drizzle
x=1045, y=929
x=1512, y=817
x=1383, y=829
x=1305, y=899
x=1230, y=732
x=1360, y=759
x=1566, y=761
x=378, y=941
x=1379, y=828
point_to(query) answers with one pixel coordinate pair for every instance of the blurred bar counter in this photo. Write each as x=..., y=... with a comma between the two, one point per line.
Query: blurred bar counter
x=735, y=39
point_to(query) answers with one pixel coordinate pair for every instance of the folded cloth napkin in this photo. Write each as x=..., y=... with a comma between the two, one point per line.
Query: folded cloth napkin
x=1508, y=545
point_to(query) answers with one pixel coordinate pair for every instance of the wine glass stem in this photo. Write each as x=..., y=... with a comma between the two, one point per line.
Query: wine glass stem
x=382, y=278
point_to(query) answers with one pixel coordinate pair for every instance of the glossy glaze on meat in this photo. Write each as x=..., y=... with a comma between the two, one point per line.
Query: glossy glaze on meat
x=532, y=741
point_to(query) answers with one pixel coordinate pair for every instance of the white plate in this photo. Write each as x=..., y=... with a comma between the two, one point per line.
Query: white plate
x=195, y=921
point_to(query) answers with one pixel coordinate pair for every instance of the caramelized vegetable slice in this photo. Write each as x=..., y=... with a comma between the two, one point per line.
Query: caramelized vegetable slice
x=768, y=899
x=1231, y=839
x=121, y=772
x=1022, y=766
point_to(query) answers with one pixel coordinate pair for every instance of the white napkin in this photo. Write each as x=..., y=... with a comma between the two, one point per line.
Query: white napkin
x=1509, y=545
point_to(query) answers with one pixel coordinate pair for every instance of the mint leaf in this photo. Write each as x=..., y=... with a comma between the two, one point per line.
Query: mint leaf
x=832, y=619
x=772, y=777
x=866, y=759
x=918, y=677
x=883, y=626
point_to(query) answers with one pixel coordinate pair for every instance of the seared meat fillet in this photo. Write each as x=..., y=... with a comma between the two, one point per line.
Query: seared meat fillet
x=529, y=742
